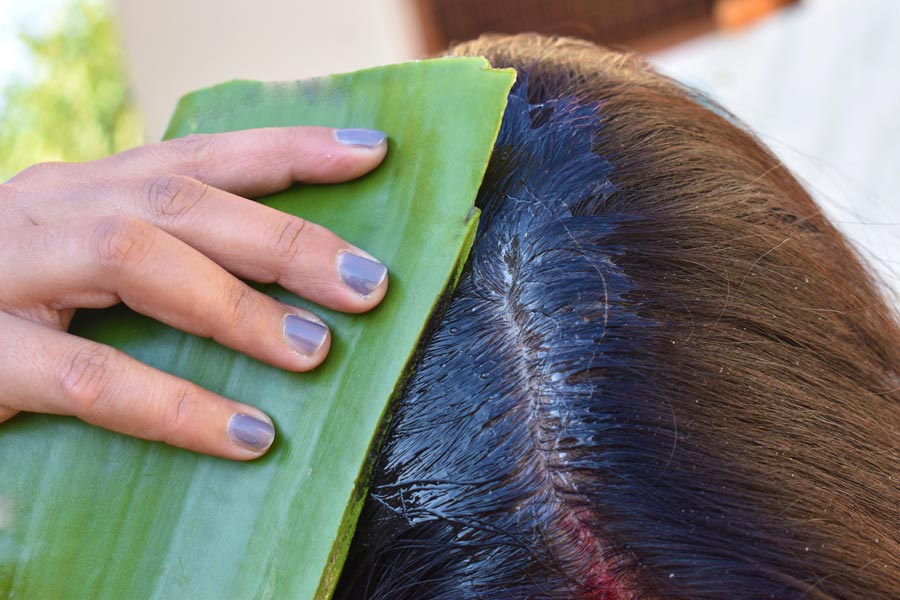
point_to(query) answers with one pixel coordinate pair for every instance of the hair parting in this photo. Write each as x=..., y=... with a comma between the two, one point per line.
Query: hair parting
x=663, y=374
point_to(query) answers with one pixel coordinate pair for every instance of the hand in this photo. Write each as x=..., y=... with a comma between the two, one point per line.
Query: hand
x=166, y=229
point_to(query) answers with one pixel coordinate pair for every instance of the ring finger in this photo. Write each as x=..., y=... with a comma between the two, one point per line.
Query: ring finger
x=99, y=262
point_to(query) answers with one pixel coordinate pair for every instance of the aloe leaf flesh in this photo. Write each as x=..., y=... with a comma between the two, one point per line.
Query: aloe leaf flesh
x=86, y=513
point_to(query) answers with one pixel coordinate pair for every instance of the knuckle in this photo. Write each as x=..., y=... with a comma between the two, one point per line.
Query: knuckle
x=291, y=242
x=238, y=298
x=45, y=171
x=38, y=313
x=11, y=204
x=121, y=242
x=8, y=193
x=84, y=378
x=179, y=411
x=172, y=197
x=193, y=152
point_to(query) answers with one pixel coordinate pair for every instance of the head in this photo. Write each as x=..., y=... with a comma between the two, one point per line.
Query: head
x=664, y=373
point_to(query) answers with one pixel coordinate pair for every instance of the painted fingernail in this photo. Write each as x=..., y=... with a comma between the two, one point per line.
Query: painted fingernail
x=304, y=336
x=367, y=138
x=250, y=433
x=361, y=274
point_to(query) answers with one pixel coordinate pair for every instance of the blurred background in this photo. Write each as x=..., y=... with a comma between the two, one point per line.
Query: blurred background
x=818, y=80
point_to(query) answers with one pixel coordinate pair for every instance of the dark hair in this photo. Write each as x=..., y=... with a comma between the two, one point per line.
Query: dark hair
x=664, y=374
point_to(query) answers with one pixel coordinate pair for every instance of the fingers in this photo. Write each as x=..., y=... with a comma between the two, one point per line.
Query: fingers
x=97, y=263
x=246, y=238
x=160, y=227
x=260, y=243
x=44, y=370
x=255, y=162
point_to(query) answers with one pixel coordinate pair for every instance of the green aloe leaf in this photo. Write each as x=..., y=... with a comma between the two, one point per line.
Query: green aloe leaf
x=85, y=513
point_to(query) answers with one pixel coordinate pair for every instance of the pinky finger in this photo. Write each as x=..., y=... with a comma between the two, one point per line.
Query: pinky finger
x=45, y=370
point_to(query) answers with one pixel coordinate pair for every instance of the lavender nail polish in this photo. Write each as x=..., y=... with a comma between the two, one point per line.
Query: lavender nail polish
x=249, y=432
x=367, y=138
x=361, y=274
x=304, y=336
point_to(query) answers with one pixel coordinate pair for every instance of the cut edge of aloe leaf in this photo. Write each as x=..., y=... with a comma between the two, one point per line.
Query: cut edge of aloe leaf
x=338, y=555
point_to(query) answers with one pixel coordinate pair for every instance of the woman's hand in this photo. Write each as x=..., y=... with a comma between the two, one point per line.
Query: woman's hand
x=167, y=230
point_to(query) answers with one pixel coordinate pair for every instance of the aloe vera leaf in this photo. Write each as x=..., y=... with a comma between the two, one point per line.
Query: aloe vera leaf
x=86, y=513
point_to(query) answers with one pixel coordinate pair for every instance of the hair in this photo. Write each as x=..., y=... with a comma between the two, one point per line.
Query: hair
x=663, y=374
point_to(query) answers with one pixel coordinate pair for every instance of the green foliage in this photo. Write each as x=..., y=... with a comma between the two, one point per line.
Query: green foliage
x=76, y=105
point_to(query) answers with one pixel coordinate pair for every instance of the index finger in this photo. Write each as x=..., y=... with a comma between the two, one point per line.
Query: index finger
x=256, y=162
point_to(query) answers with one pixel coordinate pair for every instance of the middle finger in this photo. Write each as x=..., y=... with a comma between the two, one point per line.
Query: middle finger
x=248, y=239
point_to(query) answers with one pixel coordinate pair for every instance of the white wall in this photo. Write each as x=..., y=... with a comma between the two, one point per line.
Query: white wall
x=820, y=84
x=175, y=46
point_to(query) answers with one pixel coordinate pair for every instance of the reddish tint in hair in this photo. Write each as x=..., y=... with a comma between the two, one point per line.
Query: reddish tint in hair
x=664, y=374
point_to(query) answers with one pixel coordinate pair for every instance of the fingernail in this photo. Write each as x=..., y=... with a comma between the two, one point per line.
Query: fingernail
x=368, y=138
x=249, y=432
x=304, y=336
x=361, y=274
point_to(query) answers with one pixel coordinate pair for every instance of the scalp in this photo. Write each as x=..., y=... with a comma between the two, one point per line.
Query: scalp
x=664, y=374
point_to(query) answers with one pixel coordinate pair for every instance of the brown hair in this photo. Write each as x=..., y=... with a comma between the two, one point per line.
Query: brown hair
x=739, y=437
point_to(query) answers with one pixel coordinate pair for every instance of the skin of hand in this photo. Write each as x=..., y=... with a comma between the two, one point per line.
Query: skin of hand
x=166, y=228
